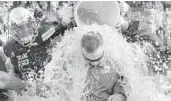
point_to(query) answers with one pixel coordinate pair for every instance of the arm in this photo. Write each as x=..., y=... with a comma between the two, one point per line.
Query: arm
x=9, y=82
x=118, y=92
x=7, y=62
x=49, y=50
x=56, y=37
x=53, y=43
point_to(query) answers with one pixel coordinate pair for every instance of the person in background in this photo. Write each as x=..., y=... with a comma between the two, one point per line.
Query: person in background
x=103, y=83
x=124, y=15
x=154, y=31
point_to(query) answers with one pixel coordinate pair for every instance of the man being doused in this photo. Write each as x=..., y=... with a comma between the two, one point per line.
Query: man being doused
x=103, y=82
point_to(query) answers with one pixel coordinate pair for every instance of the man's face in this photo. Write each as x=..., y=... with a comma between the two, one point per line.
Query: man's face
x=25, y=33
x=91, y=47
x=94, y=63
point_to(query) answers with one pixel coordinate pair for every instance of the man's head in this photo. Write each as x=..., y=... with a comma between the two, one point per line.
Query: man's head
x=23, y=26
x=92, y=47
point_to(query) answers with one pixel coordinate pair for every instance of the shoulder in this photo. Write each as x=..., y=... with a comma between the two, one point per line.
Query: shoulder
x=9, y=47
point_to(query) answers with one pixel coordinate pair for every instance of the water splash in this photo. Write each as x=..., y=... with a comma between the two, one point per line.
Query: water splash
x=66, y=73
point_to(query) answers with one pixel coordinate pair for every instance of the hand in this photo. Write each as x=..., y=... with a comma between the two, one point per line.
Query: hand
x=65, y=12
x=124, y=24
x=116, y=97
x=53, y=43
x=10, y=82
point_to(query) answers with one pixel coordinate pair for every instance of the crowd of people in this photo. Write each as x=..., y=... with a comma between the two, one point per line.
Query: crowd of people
x=32, y=29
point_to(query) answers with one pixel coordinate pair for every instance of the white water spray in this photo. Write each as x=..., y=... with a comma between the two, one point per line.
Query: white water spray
x=66, y=73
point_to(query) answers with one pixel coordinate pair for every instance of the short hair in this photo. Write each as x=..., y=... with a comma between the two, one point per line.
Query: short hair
x=91, y=41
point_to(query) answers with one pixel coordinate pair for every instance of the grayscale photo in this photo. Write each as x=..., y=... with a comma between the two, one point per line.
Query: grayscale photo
x=85, y=50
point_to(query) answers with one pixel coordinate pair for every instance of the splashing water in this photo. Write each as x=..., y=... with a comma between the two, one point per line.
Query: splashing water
x=66, y=73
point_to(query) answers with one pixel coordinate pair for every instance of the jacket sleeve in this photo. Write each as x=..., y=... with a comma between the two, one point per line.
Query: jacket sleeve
x=8, y=48
x=119, y=89
x=2, y=65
